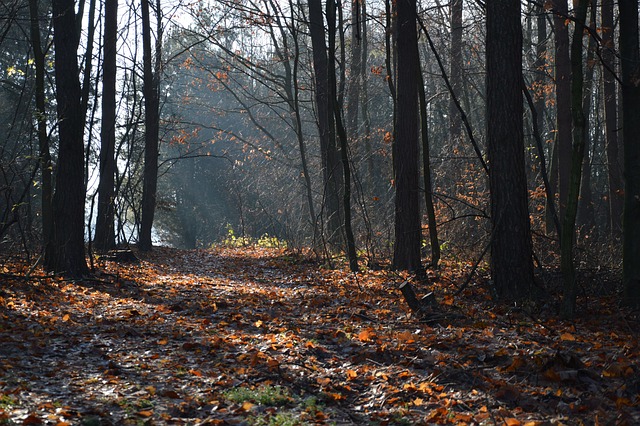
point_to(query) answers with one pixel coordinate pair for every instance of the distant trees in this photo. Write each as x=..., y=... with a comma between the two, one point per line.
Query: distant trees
x=300, y=120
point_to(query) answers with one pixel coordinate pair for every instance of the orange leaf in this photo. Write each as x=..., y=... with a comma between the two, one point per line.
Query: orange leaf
x=567, y=337
x=510, y=421
x=246, y=406
x=351, y=374
x=163, y=341
x=145, y=413
x=66, y=317
x=323, y=381
x=366, y=335
x=406, y=336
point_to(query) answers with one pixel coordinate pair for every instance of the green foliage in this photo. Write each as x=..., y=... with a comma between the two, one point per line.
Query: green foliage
x=265, y=241
x=281, y=419
x=264, y=395
x=7, y=401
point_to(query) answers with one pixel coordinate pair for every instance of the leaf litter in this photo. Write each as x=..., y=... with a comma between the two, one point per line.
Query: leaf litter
x=262, y=336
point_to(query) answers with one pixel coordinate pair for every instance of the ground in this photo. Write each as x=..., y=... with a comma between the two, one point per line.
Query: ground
x=264, y=336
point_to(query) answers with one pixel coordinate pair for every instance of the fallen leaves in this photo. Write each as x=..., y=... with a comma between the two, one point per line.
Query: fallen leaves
x=168, y=339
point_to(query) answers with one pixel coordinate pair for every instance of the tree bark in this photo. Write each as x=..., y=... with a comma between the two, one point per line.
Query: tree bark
x=563, y=100
x=408, y=235
x=511, y=252
x=426, y=175
x=326, y=124
x=105, y=238
x=41, y=114
x=579, y=136
x=630, y=64
x=65, y=252
x=152, y=128
x=455, y=75
x=611, y=120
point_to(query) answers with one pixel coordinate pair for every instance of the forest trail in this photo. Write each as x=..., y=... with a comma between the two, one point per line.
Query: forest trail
x=261, y=336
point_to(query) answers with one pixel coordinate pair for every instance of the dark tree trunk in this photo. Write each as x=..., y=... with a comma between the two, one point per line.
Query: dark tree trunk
x=630, y=53
x=579, y=136
x=408, y=235
x=426, y=177
x=335, y=108
x=563, y=100
x=41, y=113
x=355, y=73
x=105, y=238
x=455, y=76
x=586, y=212
x=326, y=125
x=152, y=124
x=65, y=252
x=614, y=168
x=511, y=253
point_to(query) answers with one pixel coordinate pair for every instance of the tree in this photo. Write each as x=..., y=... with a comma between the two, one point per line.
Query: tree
x=326, y=125
x=105, y=233
x=408, y=235
x=611, y=119
x=41, y=114
x=152, y=124
x=511, y=253
x=577, y=157
x=562, y=146
x=630, y=65
x=65, y=252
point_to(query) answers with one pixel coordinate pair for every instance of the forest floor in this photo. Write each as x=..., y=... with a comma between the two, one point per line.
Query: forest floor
x=253, y=336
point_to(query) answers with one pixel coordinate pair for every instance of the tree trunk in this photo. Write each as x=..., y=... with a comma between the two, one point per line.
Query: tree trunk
x=586, y=212
x=426, y=171
x=355, y=73
x=511, y=252
x=563, y=100
x=41, y=113
x=579, y=136
x=326, y=125
x=455, y=76
x=65, y=252
x=336, y=111
x=105, y=238
x=630, y=64
x=152, y=128
x=408, y=235
x=611, y=120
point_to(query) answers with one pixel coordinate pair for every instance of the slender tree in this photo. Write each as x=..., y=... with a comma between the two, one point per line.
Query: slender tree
x=408, y=235
x=562, y=148
x=65, y=252
x=105, y=234
x=326, y=124
x=630, y=65
x=426, y=174
x=152, y=126
x=577, y=157
x=511, y=253
x=611, y=119
x=41, y=114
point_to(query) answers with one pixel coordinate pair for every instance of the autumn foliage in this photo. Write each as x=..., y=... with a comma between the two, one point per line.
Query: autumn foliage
x=266, y=336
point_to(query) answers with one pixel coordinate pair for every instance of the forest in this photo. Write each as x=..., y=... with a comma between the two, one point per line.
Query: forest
x=292, y=212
